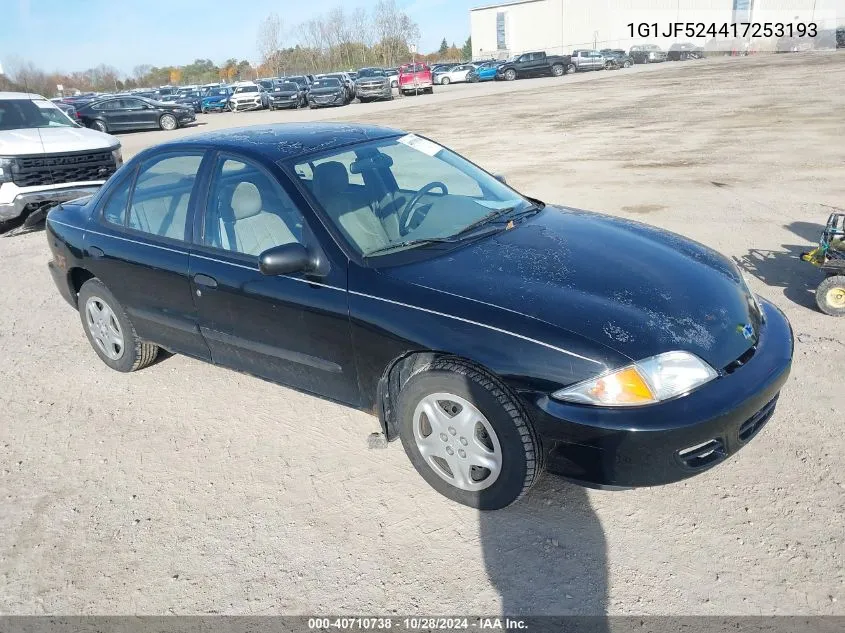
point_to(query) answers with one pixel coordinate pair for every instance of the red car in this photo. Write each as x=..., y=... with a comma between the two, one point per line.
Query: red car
x=415, y=78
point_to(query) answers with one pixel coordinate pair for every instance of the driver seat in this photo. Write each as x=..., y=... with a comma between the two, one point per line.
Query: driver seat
x=356, y=219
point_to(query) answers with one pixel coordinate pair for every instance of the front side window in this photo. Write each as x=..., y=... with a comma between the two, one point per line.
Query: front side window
x=159, y=204
x=248, y=212
x=383, y=194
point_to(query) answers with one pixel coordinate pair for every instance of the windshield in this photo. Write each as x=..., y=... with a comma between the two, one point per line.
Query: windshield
x=19, y=114
x=241, y=89
x=371, y=72
x=289, y=86
x=217, y=92
x=392, y=191
x=328, y=82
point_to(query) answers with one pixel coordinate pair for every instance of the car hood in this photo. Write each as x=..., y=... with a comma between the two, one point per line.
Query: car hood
x=246, y=96
x=284, y=93
x=214, y=98
x=634, y=288
x=53, y=140
x=372, y=81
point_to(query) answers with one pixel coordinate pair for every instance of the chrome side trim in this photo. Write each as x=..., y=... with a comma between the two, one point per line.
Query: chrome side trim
x=484, y=325
x=255, y=269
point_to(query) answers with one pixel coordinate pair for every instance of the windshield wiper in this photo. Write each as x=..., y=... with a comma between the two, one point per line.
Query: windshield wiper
x=424, y=240
x=494, y=215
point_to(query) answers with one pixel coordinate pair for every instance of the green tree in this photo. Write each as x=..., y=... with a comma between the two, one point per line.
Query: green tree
x=466, y=50
x=444, y=46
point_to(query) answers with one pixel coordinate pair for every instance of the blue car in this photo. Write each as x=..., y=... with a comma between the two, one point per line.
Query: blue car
x=487, y=71
x=216, y=100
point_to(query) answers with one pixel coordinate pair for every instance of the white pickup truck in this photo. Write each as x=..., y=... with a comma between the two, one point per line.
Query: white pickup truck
x=46, y=158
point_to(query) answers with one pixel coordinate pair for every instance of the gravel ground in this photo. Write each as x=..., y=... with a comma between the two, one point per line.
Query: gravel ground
x=190, y=489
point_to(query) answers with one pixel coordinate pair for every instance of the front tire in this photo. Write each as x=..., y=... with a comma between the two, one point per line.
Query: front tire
x=168, y=122
x=558, y=70
x=467, y=436
x=626, y=65
x=510, y=74
x=444, y=81
x=830, y=295
x=109, y=330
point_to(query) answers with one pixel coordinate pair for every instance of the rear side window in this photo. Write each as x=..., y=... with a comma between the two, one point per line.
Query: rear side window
x=114, y=211
x=162, y=193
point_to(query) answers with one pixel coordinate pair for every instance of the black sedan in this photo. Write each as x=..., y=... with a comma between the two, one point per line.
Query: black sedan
x=286, y=95
x=114, y=114
x=492, y=333
x=327, y=91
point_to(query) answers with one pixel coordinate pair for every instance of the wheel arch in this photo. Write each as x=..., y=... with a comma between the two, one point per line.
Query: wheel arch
x=398, y=372
x=77, y=276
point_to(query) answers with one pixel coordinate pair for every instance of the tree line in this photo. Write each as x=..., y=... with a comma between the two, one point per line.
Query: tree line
x=341, y=39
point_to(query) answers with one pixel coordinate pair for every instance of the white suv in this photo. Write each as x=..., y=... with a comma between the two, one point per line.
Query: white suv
x=46, y=158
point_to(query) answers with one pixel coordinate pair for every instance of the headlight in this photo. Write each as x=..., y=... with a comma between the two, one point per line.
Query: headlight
x=117, y=156
x=6, y=169
x=293, y=96
x=648, y=381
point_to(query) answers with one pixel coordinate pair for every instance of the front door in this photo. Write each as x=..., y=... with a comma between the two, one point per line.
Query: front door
x=138, y=247
x=292, y=329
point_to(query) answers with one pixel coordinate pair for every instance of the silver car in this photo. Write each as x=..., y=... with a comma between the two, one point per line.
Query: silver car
x=372, y=83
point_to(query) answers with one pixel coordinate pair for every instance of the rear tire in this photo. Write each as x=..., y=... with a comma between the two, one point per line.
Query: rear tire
x=830, y=295
x=109, y=330
x=168, y=122
x=495, y=430
x=100, y=126
x=626, y=65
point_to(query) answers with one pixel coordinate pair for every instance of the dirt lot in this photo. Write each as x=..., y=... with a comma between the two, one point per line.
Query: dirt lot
x=186, y=488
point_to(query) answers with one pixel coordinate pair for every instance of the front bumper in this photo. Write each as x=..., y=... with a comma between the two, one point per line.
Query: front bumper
x=41, y=201
x=246, y=106
x=285, y=102
x=659, y=444
x=321, y=102
x=375, y=92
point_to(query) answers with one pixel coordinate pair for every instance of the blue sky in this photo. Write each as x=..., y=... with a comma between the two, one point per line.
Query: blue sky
x=67, y=35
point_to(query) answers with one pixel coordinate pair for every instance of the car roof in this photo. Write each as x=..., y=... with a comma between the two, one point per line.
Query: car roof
x=19, y=95
x=281, y=141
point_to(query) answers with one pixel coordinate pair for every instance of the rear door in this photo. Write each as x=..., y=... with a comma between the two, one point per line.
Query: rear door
x=292, y=329
x=138, y=246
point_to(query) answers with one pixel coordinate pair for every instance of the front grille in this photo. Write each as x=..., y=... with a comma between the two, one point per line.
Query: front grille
x=62, y=169
x=756, y=422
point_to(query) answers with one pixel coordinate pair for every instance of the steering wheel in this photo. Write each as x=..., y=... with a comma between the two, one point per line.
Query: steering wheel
x=408, y=211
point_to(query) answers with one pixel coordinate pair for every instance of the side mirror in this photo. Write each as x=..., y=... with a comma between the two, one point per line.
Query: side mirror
x=284, y=259
x=500, y=178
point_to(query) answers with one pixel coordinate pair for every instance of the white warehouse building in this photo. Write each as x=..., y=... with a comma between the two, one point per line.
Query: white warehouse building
x=559, y=26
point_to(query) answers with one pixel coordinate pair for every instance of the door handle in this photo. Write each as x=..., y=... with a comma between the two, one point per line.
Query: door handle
x=205, y=280
x=95, y=252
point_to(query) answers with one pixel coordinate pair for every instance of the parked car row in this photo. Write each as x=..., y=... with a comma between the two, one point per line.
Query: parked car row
x=169, y=107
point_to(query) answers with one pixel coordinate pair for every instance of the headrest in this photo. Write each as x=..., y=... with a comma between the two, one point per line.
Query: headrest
x=330, y=178
x=246, y=201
